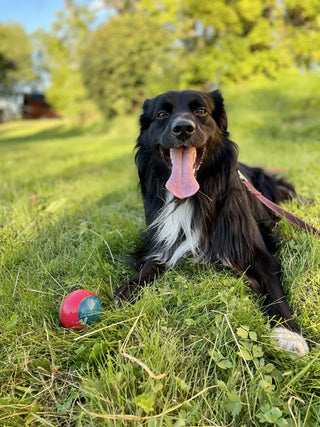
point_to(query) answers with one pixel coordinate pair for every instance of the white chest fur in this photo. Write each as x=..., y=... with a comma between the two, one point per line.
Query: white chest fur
x=174, y=232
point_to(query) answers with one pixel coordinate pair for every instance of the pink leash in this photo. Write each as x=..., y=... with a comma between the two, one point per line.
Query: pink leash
x=298, y=222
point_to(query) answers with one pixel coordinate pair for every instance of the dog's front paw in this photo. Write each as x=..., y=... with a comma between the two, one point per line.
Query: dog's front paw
x=290, y=341
x=124, y=294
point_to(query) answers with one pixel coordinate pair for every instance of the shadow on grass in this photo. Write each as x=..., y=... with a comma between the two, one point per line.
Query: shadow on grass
x=62, y=240
x=112, y=170
x=60, y=131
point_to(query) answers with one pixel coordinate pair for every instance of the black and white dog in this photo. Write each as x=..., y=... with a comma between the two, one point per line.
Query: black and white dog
x=196, y=205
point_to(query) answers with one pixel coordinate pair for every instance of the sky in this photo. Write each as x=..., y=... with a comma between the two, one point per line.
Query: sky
x=34, y=14
x=31, y=14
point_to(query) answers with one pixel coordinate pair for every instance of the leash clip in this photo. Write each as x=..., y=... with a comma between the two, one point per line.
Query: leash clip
x=242, y=177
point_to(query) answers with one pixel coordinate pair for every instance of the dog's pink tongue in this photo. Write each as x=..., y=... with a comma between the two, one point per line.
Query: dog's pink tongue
x=182, y=182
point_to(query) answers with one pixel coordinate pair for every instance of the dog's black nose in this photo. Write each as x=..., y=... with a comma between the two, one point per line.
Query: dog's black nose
x=183, y=128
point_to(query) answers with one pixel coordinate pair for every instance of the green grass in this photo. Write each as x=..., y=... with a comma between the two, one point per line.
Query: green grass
x=70, y=210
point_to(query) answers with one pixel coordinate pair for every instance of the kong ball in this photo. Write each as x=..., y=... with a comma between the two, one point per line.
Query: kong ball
x=79, y=309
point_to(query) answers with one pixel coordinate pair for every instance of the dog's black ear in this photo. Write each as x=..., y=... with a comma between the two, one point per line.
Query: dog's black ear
x=145, y=119
x=219, y=113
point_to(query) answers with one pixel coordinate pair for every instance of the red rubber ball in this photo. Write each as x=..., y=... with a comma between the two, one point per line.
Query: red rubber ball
x=79, y=309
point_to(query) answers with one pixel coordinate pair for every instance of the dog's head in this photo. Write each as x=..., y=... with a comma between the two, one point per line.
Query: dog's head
x=184, y=127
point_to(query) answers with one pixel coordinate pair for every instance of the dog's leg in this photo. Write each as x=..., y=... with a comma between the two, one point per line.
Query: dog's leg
x=264, y=274
x=148, y=272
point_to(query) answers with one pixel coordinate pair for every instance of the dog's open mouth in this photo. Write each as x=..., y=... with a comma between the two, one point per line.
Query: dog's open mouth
x=184, y=163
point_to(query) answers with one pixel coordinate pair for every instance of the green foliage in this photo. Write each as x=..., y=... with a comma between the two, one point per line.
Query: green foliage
x=61, y=53
x=271, y=415
x=15, y=56
x=6, y=67
x=146, y=401
x=124, y=59
x=148, y=47
x=236, y=41
x=233, y=404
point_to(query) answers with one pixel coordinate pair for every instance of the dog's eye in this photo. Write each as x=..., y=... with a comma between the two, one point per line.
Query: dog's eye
x=201, y=111
x=162, y=115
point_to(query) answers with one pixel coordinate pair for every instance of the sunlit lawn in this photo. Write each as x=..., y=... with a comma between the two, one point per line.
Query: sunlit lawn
x=70, y=210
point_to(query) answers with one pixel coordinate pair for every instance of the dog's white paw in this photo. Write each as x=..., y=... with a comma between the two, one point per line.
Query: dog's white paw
x=290, y=341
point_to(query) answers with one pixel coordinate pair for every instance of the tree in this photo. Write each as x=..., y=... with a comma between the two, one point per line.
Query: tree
x=234, y=41
x=15, y=56
x=124, y=60
x=61, y=52
x=6, y=67
x=122, y=6
x=147, y=47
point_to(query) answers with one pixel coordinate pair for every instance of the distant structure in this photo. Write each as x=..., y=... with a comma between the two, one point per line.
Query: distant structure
x=5, y=111
x=35, y=107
